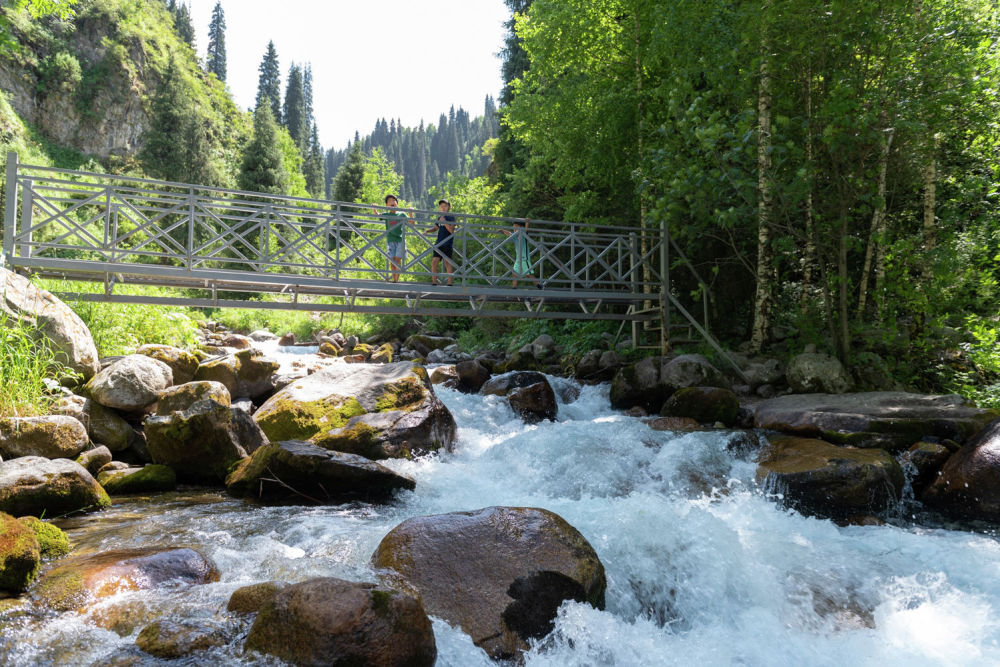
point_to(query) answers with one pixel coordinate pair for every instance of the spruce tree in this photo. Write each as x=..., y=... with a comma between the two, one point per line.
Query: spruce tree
x=162, y=154
x=307, y=90
x=183, y=25
x=217, y=43
x=263, y=167
x=313, y=168
x=294, y=110
x=269, y=81
x=348, y=181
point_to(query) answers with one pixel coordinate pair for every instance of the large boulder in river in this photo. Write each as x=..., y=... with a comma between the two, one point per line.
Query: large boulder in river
x=132, y=383
x=181, y=362
x=20, y=554
x=147, y=479
x=104, y=425
x=378, y=411
x=52, y=436
x=889, y=420
x=68, y=336
x=638, y=384
x=815, y=372
x=472, y=375
x=498, y=573
x=339, y=623
x=705, y=405
x=830, y=481
x=81, y=580
x=48, y=487
x=528, y=392
x=922, y=462
x=297, y=470
x=202, y=442
x=968, y=485
x=246, y=373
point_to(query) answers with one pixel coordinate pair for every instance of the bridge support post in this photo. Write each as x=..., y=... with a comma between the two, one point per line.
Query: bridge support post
x=27, y=210
x=665, y=288
x=10, y=210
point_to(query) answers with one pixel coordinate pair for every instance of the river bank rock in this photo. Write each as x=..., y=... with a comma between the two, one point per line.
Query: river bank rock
x=378, y=411
x=923, y=461
x=638, y=384
x=472, y=375
x=247, y=373
x=330, y=621
x=78, y=581
x=52, y=437
x=182, y=396
x=182, y=363
x=169, y=639
x=830, y=481
x=423, y=344
x=68, y=336
x=815, y=372
x=202, y=442
x=132, y=383
x=147, y=479
x=887, y=420
x=20, y=555
x=383, y=354
x=968, y=485
x=598, y=366
x=95, y=459
x=307, y=471
x=104, y=425
x=249, y=599
x=499, y=573
x=689, y=370
x=50, y=487
x=52, y=541
x=706, y=405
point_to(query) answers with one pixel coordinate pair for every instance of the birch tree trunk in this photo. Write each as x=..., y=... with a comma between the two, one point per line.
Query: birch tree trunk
x=930, y=203
x=764, y=298
x=809, y=260
x=876, y=237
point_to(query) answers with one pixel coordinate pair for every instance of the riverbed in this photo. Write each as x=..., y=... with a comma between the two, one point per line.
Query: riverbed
x=703, y=566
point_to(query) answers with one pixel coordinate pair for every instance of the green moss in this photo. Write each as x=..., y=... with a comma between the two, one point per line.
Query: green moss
x=52, y=541
x=62, y=591
x=381, y=602
x=358, y=438
x=152, y=477
x=241, y=480
x=287, y=419
x=399, y=395
x=20, y=554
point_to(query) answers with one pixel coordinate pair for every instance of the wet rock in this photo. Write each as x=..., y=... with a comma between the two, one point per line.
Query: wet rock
x=498, y=573
x=472, y=375
x=52, y=541
x=114, y=465
x=182, y=363
x=297, y=470
x=44, y=487
x=589, y=365
x=890, y=420
x=830, y=481
x=689, y=370
x=706, y=405
x=262, y=335
x=81, y=580
x=19, y=554
x=682, y=424
x=53, y=320
x=148, y=479
x=329, y=349
x=52, y=436
x=504, y=384
x=969, y=484
x=104, y=425
x=131, y=383
x=287, y=340
x=246, y=373
x=94, y=459
x=424, y=344
x=817, y=373
x=924, y=460
x=377, y=411
x=445, y=375
x=382, y=355
x=249, y=599
x=339, y=623
x=202, y=442
x=175, y=639
x=534, y=403
x=183, y=396
x=639, y=384
x=237, y=341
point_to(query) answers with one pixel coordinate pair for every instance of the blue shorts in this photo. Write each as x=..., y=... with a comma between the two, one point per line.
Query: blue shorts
x=397, y=248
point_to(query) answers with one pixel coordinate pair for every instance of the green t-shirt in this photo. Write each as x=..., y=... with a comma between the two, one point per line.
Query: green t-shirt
x=394, y=225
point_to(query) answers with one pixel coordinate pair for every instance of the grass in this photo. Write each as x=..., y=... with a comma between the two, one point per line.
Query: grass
x=25, y=361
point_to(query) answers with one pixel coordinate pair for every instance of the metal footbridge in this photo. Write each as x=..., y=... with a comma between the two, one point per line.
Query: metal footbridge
x=228, y=248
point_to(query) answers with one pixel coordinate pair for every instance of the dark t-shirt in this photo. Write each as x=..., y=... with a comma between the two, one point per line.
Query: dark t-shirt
x=445, y=237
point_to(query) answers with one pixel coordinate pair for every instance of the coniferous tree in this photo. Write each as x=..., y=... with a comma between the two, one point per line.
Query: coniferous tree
x=307, y=91
x=349, y=179
x=162, y=155
x=263, y=167
x=294, y=116
x=183, y=25
x=313, y=167
x=269, y=81
x=217, y=43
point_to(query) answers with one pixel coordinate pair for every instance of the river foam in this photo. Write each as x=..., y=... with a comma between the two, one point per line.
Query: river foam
x=703, y=567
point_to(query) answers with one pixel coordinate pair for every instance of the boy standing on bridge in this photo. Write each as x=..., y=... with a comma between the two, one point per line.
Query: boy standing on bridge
x=395, y=222
x=444, y=246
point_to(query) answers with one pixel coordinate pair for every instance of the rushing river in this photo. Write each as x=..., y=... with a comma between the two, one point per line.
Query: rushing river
x=703, y=568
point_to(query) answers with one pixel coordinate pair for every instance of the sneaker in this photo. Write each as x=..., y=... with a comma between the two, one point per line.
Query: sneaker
x=539, y=286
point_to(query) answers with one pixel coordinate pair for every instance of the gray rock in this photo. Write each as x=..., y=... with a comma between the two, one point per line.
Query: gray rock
x=200, y=443
x=94, y=459
x=503, y=385
x=969, y=483
x=689, y=370
x=182, y=363
x=543, y=347
x=639, y=384
x=246, y=373
x=68, y=336
x=104, y=425
x=52, y=436
x=181, y=397
x=438, y=357
x=133, y=383
x=262, y=335
x=424, y=344
x=50, y=487
x=763, y=371
x=810, y=373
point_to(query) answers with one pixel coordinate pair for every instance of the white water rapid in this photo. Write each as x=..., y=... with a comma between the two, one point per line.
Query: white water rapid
x=703, y=568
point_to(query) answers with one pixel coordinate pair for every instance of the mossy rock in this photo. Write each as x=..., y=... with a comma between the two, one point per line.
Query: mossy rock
x=151, y=478
x=169, y=639
x=363, y=349
x=706, y=405
x=183, y=396
x=246, y=373
x=52, y=541
x=34, y=485
x=249, y=599
x=52, y=436
x=383, y=355
x=20, y=554
x=184, y=364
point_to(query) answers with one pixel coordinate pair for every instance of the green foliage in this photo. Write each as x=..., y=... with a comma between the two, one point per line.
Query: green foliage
x=350, y=177
x=293, y=113
x=216, y=60
x=59, y=71
x=269, y=81
x=264, y=161
x=25, y=361
x=477, y=196
x=379, y=180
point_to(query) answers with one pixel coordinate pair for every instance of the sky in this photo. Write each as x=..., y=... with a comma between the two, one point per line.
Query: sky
x=370, y=59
